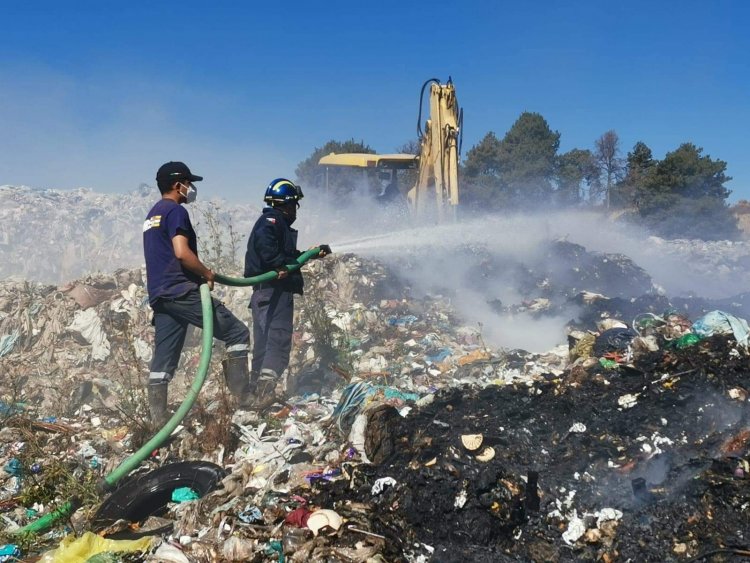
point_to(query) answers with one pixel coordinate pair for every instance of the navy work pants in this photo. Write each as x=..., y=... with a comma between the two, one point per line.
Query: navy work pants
x=273, y=318
x=171, y=319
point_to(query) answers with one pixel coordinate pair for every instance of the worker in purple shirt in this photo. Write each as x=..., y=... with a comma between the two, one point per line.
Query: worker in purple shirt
x=174, y=273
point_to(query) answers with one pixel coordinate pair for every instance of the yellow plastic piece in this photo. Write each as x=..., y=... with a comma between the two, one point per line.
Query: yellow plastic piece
x=472, y=442
x=478, y=355
x=487, y=454
x=76, y=550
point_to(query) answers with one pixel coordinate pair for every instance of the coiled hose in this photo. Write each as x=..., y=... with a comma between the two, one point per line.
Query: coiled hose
x=108, y=483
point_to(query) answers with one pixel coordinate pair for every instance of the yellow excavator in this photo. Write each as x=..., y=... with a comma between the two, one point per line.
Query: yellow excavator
x=435, y=194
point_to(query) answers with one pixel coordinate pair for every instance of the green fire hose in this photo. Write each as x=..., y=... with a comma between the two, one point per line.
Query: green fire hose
x=128, y=465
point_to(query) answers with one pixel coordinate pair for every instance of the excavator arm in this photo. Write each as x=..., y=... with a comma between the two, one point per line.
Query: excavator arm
x=436, y=191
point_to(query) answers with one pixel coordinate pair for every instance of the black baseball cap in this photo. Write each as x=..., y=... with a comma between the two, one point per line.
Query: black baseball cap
x=176, y=171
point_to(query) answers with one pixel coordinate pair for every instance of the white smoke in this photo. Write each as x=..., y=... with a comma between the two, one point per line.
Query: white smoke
x=436, y=257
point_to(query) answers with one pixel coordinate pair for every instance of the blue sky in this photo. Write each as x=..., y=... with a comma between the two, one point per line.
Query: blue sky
x=99, y=95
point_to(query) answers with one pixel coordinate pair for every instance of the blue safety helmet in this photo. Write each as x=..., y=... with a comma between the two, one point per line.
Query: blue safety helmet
x=282, y=191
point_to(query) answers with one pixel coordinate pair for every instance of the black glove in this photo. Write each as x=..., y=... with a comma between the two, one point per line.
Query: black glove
x=325, y=249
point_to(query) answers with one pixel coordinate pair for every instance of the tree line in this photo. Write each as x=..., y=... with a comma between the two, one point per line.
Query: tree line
x=681, y=195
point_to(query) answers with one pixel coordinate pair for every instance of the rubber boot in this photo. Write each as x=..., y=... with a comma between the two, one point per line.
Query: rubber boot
x=265, y=392
x=254, y=377
x=237, y=379
x=157, y=404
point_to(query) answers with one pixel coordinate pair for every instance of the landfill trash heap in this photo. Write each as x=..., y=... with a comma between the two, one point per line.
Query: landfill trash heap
x=404, y=435
x=94, y=230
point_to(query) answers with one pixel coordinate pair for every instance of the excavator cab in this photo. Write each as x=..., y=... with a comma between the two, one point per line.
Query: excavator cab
x=435, y=195
x=387, y=167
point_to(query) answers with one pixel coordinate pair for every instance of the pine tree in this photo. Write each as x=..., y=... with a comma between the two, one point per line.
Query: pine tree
x=527, y=160
x=685, y=196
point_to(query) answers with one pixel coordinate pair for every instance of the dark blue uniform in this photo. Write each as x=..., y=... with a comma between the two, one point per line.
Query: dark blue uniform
x=272, y=244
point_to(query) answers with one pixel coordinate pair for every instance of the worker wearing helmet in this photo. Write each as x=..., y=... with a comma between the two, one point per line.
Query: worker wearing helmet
x=272, y=245
x=174, y=273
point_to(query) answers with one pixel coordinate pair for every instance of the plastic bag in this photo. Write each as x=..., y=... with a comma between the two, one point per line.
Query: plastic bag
x=613, y=340
x=184, y=494
x=687, y=340
x=719, y=322
x=75, y=550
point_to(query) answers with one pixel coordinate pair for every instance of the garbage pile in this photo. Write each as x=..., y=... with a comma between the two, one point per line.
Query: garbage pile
x=404, y=437
x=93, y=230
x=719, y=257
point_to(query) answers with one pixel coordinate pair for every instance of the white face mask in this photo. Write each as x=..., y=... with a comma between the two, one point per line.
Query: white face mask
x=192, y=193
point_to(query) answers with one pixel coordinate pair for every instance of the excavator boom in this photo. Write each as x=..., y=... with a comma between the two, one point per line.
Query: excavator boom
x=436, y=192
